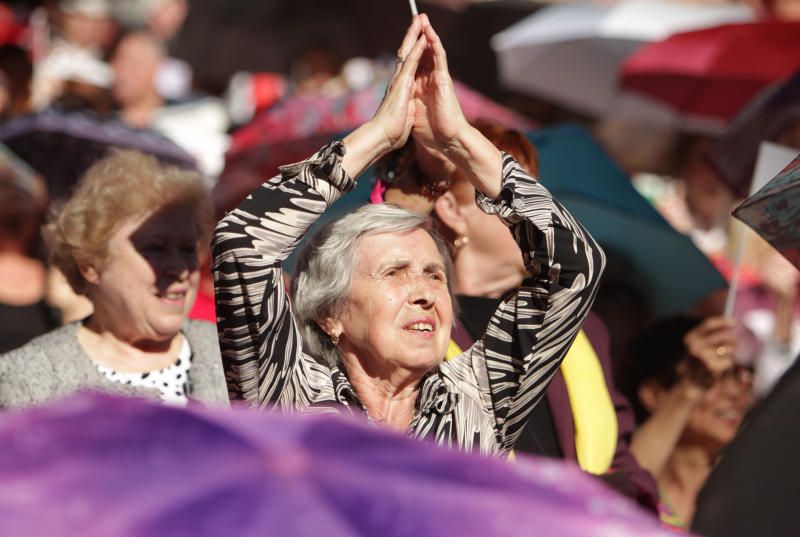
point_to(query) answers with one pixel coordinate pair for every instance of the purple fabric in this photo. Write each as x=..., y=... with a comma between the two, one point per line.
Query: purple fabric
x=94, y=465
x=62, y=145
x=765, y=118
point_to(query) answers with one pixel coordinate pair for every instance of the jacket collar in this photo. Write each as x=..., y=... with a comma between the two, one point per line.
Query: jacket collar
x=433, y=397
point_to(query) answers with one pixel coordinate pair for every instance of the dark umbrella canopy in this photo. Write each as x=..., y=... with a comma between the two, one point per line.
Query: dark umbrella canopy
x=221, y=37
x=61, y=146
x=267, y=35
x=774, y=212
x=94, y=466
x=769, y=116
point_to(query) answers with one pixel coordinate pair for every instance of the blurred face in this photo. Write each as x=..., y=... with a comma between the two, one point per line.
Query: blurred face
x=399, y=313
x=135, y=64
x=87, y=31
x=488, y=236
x=717, y=417
x=148, y=285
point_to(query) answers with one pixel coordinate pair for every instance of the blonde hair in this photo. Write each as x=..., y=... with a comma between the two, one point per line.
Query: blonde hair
x=124, y=185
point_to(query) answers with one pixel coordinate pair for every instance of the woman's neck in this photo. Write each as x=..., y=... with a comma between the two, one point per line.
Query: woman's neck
x=479, y=275
x=683, y=477
x=390, y=400
x=142, y=113
x=108, y=348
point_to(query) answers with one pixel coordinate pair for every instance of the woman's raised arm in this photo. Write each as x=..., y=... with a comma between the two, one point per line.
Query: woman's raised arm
x=391, y=125
x=260, y=342
x=440, y=125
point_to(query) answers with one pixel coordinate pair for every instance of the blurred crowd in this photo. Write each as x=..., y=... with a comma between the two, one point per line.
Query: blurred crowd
x=106, y=281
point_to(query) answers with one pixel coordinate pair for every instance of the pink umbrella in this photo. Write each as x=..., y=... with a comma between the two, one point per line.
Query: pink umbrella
x=295, y=128
x=716, y=71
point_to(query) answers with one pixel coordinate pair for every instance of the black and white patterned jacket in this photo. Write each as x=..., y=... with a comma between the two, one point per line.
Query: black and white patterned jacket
x=479, y=400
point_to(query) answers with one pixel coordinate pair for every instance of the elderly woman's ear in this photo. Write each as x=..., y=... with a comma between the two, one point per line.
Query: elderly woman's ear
x=450, y=213
x=332, y=327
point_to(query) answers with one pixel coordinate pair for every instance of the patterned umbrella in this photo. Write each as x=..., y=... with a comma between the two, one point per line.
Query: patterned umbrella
x=301, y=118
x=61, y=146
x=774, y=212
x=295, y=128
x=93, y=465
x=768, y=117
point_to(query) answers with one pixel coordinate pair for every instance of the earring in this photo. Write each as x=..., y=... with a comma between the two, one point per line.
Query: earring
x=460, y=242
x=335, y=339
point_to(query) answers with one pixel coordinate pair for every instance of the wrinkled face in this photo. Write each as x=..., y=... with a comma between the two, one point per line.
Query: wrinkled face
x=399, y=313
x=717, y=417
x=149, y=283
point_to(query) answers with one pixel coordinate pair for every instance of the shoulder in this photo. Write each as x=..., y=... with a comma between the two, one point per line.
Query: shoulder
x=45, y=365
x=62, y=339
x=206, y=373
x=202, y=335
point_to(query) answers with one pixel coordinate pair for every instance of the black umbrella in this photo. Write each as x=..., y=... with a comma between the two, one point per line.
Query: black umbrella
x=754, y=488
x=61, y=146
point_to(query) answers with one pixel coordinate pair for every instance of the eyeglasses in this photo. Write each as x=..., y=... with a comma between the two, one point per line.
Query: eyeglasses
x=740, y=373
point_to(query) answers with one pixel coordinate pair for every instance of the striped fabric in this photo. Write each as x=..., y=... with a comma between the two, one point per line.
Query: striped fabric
x=478, y=400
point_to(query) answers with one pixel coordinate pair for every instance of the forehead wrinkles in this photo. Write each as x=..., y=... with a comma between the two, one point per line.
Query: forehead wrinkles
x=397, y=254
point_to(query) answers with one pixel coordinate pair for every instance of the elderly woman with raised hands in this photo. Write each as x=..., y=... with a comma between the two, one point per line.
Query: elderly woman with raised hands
x=370, y=323
x=128, y=241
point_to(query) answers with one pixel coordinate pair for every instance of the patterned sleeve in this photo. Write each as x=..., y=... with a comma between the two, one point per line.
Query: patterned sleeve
x=534, y=326
x=259, y=339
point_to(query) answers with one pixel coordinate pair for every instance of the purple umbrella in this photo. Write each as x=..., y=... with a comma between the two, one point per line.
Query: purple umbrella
x=94, y=465
x=766, y=118
x=774, y=212
x=61, y=145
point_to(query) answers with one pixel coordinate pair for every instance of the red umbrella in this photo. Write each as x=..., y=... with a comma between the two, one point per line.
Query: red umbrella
x=716, y=71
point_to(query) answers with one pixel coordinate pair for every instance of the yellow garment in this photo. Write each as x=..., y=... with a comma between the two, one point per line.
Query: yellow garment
x=453, y=350
x=592, y=408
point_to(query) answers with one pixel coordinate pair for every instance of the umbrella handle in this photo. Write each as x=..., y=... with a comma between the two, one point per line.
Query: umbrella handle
x=734, y=285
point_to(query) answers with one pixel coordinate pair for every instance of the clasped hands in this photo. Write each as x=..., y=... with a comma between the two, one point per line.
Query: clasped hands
x=420, y=100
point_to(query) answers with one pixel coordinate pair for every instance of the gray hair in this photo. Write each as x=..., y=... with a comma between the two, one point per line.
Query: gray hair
x=326, y=264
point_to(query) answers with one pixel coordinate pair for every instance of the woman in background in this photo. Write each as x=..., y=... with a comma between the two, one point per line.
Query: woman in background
x=691, y=398
x=127, y=240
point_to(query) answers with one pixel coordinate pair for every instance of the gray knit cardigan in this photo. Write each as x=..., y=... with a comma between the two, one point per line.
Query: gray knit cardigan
x=54, y=365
